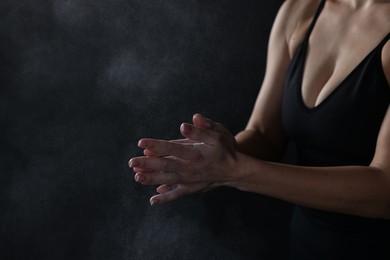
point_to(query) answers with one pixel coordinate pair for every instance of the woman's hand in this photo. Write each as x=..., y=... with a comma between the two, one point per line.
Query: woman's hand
x=204, y=160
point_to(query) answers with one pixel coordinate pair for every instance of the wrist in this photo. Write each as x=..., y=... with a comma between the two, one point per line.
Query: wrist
x=239, y=172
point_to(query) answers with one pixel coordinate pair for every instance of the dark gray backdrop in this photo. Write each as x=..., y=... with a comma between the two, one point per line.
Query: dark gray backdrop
x=81, y=82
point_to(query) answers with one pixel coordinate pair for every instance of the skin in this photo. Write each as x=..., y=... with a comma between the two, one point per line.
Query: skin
x=210, y=156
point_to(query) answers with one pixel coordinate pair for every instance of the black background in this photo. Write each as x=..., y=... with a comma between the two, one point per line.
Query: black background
x=81, y=82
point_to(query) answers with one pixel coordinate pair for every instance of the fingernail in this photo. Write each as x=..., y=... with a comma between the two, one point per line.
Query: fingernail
x=133, y=163
x=147, y=152
x=186, y=129
x=140, y=178
x=142, y=144
x=153, y=202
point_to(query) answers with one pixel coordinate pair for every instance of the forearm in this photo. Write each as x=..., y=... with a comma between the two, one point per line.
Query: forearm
x=355, y=190
x=253, y=143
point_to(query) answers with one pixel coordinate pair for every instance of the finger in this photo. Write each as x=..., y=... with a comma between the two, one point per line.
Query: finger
x=169, y=196
x=203, y=122
x=178, y=141
x=165, y=188
x=156, y=164
x=157, y=178
x=186, y=151
x=206, y=136
x=221, y=128
x=184, y=141
x=207, y=123
x=137, y=169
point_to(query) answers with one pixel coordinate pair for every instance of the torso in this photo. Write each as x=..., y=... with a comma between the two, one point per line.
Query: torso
x=333, y=118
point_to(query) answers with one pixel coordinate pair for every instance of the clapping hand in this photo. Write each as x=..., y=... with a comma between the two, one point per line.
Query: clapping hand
x=204, y=160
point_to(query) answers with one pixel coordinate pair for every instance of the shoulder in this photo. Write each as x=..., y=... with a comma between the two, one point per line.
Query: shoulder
x=300, y=7
x=294, y=13
x=293, y=20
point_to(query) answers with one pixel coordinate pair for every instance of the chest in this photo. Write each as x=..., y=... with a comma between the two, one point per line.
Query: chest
x=336, y=46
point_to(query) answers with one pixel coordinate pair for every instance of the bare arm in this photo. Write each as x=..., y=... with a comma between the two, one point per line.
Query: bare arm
x=263, y=136
x=356, y=190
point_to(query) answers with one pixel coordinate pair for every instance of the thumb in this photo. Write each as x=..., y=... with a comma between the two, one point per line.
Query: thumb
x=203, y=122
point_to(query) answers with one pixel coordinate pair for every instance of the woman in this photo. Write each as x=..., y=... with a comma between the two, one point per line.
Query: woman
x=327, y=90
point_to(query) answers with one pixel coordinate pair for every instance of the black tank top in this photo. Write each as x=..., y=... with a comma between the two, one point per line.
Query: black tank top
x=341, y=130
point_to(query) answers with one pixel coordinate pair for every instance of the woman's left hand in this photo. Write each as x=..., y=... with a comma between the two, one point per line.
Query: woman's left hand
x=205, y=160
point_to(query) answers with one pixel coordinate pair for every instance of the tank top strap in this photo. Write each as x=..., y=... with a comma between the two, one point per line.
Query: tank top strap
x=387, y=38
x=382, y=43
x=315, y=18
